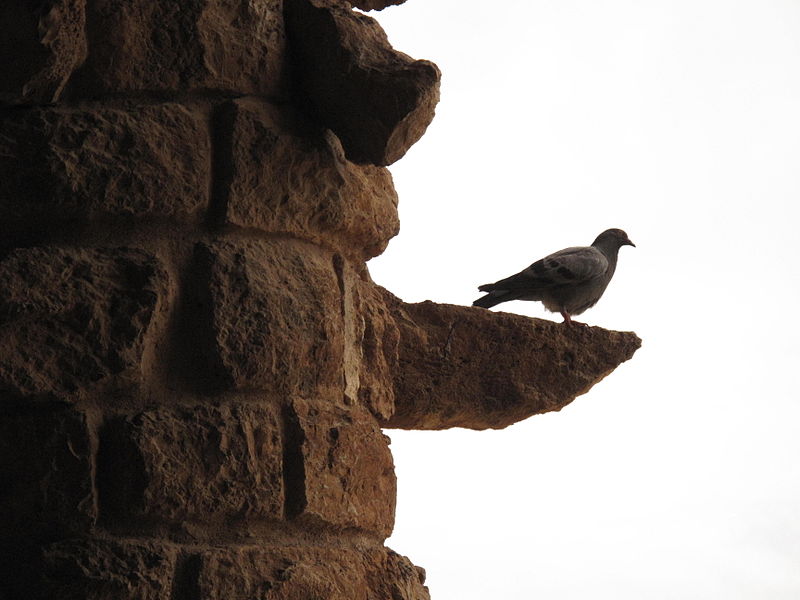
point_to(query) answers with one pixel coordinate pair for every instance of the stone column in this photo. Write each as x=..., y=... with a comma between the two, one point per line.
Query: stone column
x=194, y=363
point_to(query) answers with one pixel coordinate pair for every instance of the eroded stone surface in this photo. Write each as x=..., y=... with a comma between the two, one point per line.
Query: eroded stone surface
x=71, y=319
x=106, y=570
x=347, y=467
x=468, y=367
x=289, y=177
x=41, y=45
x=45, y=474
x=378, y=346
x=289, y=573
x=79, y=165
x=183, y=45
x=200, y=465
x=378, y=101
x=272, y=316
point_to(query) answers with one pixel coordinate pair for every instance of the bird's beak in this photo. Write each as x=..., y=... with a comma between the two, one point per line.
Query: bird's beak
x=629, y=243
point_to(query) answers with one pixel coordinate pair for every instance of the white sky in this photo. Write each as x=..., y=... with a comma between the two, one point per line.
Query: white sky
x=678, y=477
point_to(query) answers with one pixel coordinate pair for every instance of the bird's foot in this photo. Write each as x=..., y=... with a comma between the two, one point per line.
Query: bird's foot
x=569, y=322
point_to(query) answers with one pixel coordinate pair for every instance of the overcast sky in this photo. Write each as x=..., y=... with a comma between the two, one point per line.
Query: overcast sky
x=677, y=477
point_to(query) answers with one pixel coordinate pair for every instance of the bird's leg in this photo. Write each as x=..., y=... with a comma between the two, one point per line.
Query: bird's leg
x=570, y=323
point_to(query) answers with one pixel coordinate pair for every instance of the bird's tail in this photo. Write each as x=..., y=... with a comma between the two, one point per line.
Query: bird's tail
x=493, y=298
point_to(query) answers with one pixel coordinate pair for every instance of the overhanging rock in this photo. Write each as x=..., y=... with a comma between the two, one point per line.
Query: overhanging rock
x=347, y=76
x=468, y=367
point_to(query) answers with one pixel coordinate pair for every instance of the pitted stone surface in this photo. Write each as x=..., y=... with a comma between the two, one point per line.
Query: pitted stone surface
x=65, y=167
x=467, y=367
x=41, y=45
x=174, y=46
x=272, y=317
x=291, y=573
x=107, y=570
x=290, y=177
x=379, y=344
x=347, y=466
x=71, y=320
x=204, y=464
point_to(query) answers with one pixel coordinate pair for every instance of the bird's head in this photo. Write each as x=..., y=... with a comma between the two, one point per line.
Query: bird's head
x=613, y=239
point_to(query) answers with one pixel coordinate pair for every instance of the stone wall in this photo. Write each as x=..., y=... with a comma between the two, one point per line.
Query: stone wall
x=194, y=363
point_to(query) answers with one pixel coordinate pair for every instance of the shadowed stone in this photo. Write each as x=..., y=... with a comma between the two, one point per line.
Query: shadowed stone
x=271, y=318
x=74, y=166
x=46, y=474
x=348, y=77
x=107, y=570
x=291, y=573
x=71, y=320
x=41, y=45
x=234, y=46
x=190, y=466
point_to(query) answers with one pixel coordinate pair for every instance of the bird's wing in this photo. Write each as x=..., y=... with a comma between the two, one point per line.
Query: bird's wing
x=565, y=267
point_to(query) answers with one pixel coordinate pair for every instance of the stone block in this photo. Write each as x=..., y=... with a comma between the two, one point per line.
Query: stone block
x=272, y=318
x=290, y=573
x=347, y=468
x=41, y=45
x=378, y=346
x=46, y=487
x=468, y=367
x=182, y=466
x=378, y=101
x=289, y=177
x=72, y=320
x=106, y=570
x=175, y=46
x=78, y=165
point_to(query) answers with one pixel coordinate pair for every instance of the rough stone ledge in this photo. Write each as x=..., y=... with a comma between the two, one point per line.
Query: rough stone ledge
x=345, y=69
x=468, y=367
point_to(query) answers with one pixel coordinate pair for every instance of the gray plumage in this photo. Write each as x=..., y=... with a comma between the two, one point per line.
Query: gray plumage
x=569, y=281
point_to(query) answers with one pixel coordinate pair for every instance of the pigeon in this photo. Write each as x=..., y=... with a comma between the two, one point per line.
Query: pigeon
x=569, y=281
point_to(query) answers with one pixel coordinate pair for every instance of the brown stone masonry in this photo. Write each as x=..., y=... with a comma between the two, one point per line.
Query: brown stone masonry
x=195, y=365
